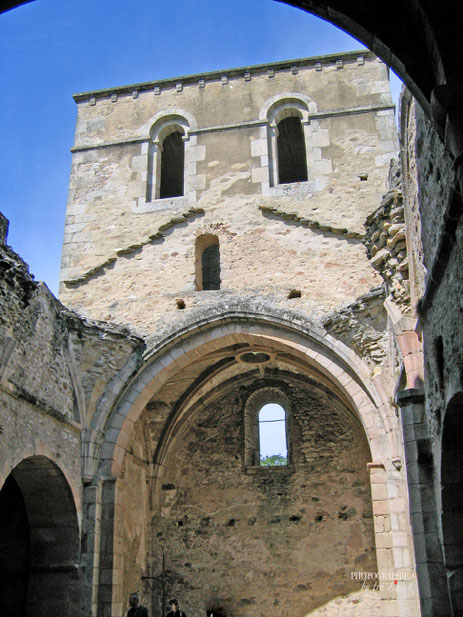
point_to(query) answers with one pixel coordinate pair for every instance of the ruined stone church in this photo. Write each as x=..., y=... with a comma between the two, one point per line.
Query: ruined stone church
x=232, y=239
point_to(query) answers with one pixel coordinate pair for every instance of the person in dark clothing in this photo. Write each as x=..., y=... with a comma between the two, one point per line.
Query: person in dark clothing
x=136, y=609
x=175, y=609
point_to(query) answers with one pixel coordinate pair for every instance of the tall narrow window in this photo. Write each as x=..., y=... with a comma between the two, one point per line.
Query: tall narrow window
x=207, y=262
x=292, y=160
x=167, y=151
x=273, y=448
x=172, y=165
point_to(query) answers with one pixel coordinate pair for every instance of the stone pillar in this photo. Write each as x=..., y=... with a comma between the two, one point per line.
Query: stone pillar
x=118, y=550
x=273, y=154
x=106, y=557
x=154, y=170
x=423, y=507
x=396, y=574
x=383, y=537
x=110, y=571
x=90, y=553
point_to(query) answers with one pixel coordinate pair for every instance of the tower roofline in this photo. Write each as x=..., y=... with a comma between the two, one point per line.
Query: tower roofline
x=256, y=69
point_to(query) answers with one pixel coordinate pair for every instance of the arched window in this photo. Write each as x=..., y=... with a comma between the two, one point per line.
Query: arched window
x=267, y=431
x=172, y=165
x=166, y=158
x=288, y=135
x=207, y=266
x=292, y=158
x=273, y=448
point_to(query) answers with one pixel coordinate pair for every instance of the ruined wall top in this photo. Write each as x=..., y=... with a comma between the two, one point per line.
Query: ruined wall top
x=3, y=229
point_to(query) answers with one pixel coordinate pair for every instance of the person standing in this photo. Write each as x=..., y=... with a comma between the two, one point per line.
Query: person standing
x=136, y=610
x=175, y=609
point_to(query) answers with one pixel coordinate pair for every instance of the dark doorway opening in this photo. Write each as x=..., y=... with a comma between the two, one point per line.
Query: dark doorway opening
x=14, y=550
x=452, y=501
x=39, y=542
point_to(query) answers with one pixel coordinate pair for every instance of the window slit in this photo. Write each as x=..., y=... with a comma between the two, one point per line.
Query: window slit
x=207, y=262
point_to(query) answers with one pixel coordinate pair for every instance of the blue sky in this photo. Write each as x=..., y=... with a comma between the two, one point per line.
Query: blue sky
x=272, y=430
x=50, y=49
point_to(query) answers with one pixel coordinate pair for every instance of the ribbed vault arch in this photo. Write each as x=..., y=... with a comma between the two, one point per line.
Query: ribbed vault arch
x=308, y=347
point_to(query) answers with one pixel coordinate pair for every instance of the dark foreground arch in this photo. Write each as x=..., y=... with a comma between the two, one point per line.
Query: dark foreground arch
x=421, y=41
x=39, y=542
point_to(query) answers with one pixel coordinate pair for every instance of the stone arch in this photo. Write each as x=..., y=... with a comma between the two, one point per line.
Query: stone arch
x=277, y=105
x=261, y=328
x=330, y=357
x=155, y=124
x=41, y=450
x=48, y=533
x=167, y=124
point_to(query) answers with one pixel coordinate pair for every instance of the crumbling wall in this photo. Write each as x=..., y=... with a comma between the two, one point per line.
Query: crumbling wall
x=36, y=390
x=386, y=242
x=362, y=326
x=39, y=443
x=58, y=374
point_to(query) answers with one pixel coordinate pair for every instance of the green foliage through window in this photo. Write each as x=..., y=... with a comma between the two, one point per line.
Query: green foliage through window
x=275, y=460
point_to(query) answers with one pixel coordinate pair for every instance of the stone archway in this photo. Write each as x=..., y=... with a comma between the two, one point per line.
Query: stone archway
x=40, y=542
x=186, y=370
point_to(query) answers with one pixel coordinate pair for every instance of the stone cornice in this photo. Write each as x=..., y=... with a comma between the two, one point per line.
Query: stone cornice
x=238, y=72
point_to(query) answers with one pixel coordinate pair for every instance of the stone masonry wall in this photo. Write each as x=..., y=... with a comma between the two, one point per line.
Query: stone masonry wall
x=130, y=261
x=40, y=450
x=264, y=540
x=57, y=373
x=443, y=331
x=409, y=169
x=36, y=391
x=434, y=208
